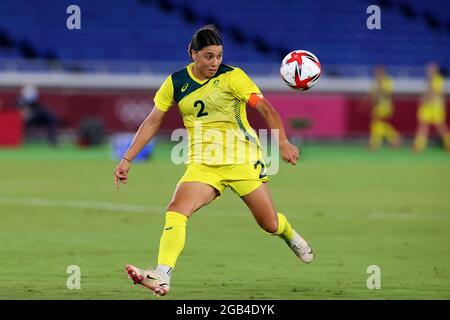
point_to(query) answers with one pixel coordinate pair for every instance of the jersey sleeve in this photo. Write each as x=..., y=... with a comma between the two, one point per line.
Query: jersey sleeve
x=437, y=84
x=388, y=85
x=242, y=86
x=164, y=96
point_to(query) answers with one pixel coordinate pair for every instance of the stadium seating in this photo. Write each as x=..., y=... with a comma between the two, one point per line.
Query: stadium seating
x=258, y=31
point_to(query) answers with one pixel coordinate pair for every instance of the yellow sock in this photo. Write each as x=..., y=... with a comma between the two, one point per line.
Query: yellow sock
x=446, y=139
x=392, y=134
x=172, y=239
x=375, y=142
x=284, y=228
x=420, y=142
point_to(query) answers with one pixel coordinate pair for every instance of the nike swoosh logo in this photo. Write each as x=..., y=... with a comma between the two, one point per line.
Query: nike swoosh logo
x=151, y=278
x=168, y=228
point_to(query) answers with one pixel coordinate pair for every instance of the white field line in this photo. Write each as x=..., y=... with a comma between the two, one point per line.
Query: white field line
x=126, y=207
x=79, y=204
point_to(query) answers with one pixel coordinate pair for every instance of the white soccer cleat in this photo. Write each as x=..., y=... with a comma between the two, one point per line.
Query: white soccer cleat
x=148, y=278
x=301, y=248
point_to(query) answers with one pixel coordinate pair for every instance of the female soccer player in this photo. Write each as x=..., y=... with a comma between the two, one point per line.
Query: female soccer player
x=380, y=127
x=431, y=111
x=212, y=98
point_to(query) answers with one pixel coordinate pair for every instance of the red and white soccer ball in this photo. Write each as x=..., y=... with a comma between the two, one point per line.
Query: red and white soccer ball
x=300, y=70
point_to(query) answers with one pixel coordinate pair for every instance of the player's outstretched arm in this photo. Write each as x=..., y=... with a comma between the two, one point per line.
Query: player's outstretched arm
x=144, y=134
x=289, y=152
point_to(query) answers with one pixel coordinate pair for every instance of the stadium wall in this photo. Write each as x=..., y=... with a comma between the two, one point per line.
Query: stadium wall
x=334, y=108
x=309, y=115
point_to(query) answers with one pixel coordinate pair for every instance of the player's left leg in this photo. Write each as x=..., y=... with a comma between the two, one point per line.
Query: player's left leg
x=424, y=120
x=259, y=201
x=421, y=138
x=376, y=134
x=392, y=135
x=445, y=135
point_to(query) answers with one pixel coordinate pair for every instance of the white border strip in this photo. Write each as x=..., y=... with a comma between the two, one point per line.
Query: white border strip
x=78, y=204
x=146, y=82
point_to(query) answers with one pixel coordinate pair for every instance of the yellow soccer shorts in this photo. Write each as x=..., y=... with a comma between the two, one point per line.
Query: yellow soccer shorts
x=431, y=114
x=379, y=128
x=382, y=111
x=241, y=178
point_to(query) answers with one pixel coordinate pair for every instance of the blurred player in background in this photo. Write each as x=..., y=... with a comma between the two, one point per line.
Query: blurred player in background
x=35, y=113
x=214, y=95
x=381, y=97
x=431, y=111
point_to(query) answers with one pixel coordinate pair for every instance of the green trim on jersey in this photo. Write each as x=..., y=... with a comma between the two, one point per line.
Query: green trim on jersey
x=237, y=116
x=183, y=84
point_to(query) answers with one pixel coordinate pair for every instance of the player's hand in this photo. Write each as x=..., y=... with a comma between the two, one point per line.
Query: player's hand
x=289, y=153
x=121, y=172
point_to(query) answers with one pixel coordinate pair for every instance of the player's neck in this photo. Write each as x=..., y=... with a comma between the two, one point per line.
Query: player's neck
x=196, y=74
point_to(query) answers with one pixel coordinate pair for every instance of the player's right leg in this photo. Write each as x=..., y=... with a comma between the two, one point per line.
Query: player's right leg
x=392, y=135
x=421, y=138
x=445, y=135
x=376, y=134
x=188, y=198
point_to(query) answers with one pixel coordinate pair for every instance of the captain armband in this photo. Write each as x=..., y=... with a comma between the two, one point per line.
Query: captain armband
x=254, y=99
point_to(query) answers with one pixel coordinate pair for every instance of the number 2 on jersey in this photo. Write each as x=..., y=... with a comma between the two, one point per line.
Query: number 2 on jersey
x=262, y=174
x=202, y=112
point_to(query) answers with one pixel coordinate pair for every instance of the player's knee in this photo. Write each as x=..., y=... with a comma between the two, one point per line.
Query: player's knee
x=270, y=226
x=184, y=208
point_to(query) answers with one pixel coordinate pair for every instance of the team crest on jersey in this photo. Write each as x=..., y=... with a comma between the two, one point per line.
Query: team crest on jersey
x=183, y=89
x=216, y=83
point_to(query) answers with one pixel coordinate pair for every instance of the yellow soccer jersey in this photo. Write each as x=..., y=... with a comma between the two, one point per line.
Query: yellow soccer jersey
x=437, y=84
x=382, y=93
x=214, y=114
x=437, y=90
x=432, y=110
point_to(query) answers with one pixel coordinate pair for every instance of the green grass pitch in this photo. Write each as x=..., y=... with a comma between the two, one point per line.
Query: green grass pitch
x=391, y=209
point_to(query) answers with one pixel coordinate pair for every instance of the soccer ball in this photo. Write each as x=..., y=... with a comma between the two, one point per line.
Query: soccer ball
x=300, y=70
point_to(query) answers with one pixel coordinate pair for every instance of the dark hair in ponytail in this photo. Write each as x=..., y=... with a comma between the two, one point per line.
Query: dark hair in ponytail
x=205, y=36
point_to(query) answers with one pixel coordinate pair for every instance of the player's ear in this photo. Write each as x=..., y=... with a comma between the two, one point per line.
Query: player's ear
x=194, y=55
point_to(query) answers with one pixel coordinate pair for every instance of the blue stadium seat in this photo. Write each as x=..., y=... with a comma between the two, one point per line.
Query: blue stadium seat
x=136, y=31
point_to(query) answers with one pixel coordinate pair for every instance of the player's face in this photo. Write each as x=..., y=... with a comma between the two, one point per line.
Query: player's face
x=379, y=73
x=208, y=60
x=432, y=69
